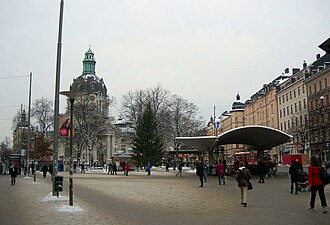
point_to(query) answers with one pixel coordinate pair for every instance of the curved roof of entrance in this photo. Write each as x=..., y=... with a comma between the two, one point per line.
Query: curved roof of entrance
x=259, y=136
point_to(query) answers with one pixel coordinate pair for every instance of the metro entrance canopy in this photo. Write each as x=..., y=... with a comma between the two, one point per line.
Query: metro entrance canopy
x=260, y=137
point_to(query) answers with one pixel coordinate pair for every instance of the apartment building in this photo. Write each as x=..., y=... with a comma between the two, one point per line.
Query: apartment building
x=318, y=93
x=292, y=109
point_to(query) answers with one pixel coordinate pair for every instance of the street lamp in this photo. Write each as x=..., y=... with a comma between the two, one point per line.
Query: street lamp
x=71, y=95
x=323, y=127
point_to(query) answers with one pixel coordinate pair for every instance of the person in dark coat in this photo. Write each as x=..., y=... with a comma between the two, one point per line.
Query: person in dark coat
x=179, y=168
x=167, y=165
x=242, y=177
x=44, y=170
x=114, y=168
x=293, y=171
x=261, y=171
x=200, y=171
x=13, y=170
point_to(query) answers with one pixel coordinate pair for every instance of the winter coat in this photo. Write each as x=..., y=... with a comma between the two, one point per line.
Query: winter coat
x=180, y=166
x=126, y=166
x=13, y=170
x=293, y=171
x=200, y=169
x=221, y=169
x=242, y=177
x=314, y=177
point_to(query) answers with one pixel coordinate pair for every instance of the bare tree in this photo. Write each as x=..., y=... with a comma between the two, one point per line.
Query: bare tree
x=42, y=112
x=174, y=115
x=300, y=127
x=91, y=119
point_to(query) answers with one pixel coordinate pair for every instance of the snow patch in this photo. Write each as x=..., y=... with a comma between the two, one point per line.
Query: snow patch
x=68, y=208
x=51, y=198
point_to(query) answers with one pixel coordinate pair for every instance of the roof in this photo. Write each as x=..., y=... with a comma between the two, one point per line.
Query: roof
x=261, y=137
x=201, y=142
x=325, y=46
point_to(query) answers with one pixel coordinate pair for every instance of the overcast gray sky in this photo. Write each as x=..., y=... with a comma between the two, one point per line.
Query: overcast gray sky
x=203, y=50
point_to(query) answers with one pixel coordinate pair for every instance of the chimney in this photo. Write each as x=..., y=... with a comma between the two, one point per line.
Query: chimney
x=318, y=56
x=326, y=64
x=304, y=64
x=295, y=70
x=286, y=70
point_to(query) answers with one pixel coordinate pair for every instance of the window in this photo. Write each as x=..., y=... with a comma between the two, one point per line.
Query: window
x=283, y=112
x=287, y=110
x=279, y=100
x=325, y=83
x=294, y=93
x=291, y=109
x=284, y=125
x=298, y=90
x=305, y=105
x=314, y=88
x=295, y=107
x=281, y=127
x=310, y=90
x=287, y=97
x=290, y=95
x=303, y=89
x=299, y=105
x=320, y=85
x=283, y=98
x=289, y=124
x=280, y=113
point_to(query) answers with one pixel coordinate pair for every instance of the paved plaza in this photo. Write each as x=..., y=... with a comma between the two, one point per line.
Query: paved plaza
x=161, y=198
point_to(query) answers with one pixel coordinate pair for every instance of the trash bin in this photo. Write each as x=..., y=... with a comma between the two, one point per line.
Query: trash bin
x=59, y=183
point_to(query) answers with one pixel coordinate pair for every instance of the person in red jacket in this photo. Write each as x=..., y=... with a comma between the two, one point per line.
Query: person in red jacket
x=221, y=172
x=126, y=168
x=316, y=183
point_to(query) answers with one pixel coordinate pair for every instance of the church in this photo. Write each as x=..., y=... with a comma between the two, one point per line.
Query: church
x=97, y=139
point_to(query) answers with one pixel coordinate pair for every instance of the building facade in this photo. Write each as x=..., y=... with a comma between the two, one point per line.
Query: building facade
x=318, y=93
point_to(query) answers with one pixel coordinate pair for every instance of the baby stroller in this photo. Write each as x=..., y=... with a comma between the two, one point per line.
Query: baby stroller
x=302, y=181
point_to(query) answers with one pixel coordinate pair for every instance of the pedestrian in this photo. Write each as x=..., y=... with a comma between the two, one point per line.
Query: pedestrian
x=261, y=171
x=242, y=177
x=235, y=166
x=44, y=170
x=200, y=171
x=316, y=184
x=13, y=170
x=75, y=167
x=293, y=171
x=148, y=168
x=50, y=169
x=179, y=168
x=126, y=168
x=82, y=168
x=270, y=172
x=167, y=166
x=110, y=168
x=206, y=170
x=221, y=172
x=114, y=168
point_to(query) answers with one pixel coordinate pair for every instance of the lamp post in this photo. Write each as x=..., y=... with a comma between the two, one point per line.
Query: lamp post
x=71, y=95
x=323, y=127
x=57, y=90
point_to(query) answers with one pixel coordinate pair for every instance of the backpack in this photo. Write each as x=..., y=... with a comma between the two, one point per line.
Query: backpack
x=325, y=176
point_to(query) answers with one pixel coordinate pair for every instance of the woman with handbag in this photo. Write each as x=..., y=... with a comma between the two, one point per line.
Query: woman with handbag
x=316, y=184
x=243, y=177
